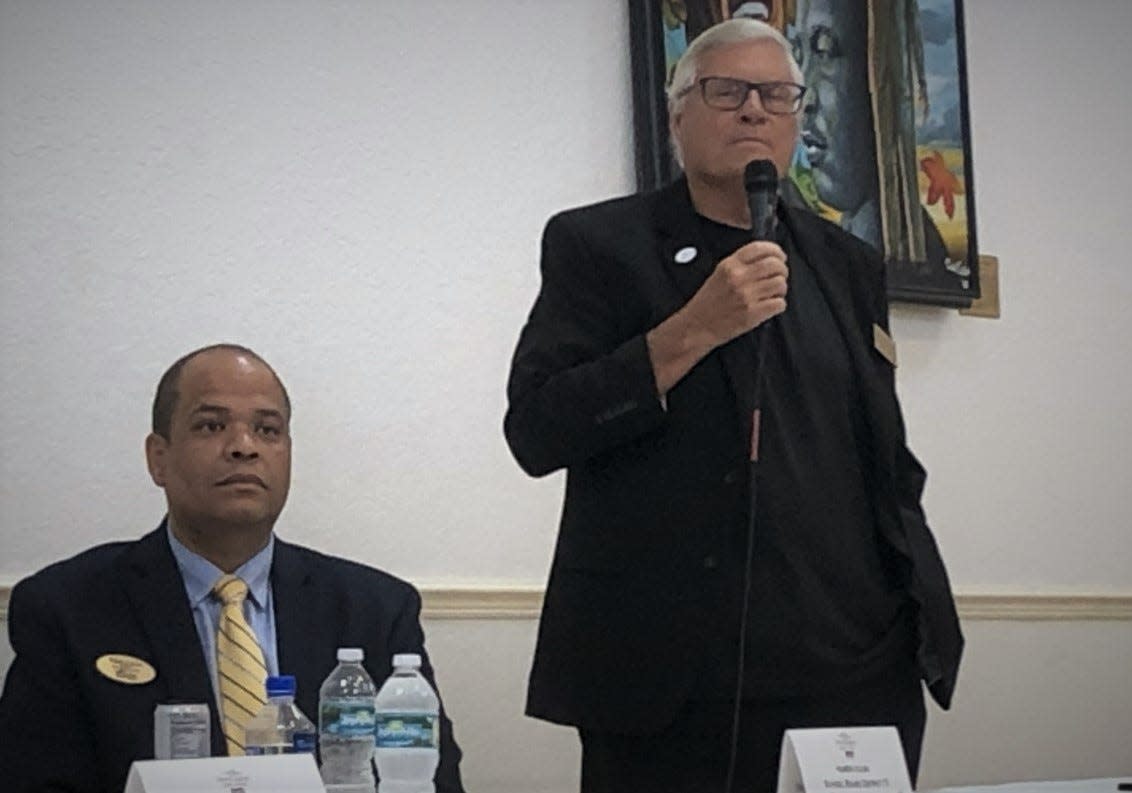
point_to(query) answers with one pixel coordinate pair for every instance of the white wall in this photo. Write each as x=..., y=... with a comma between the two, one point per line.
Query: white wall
x=1024, y=422
x=357, y=190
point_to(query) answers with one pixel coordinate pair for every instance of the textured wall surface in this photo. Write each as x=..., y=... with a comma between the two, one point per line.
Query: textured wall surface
x=356, y=190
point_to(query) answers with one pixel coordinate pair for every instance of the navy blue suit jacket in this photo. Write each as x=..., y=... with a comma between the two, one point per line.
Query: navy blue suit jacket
x=66, y=727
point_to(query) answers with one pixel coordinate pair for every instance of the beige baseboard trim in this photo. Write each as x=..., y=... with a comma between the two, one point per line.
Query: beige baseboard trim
x=525, y=603
x=481, y=603
x=1025, y=608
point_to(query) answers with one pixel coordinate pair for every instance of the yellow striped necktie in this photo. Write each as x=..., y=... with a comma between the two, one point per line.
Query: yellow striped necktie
x=240, y=668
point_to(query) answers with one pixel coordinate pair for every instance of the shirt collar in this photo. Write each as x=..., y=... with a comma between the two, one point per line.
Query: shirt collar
x=200, y=575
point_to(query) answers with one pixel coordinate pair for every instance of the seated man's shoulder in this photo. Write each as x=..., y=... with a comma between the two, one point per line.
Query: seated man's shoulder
x=80, y=572
x=351, y=575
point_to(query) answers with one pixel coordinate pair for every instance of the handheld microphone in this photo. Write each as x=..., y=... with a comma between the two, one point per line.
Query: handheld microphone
x=760, y=179
x=761, y=182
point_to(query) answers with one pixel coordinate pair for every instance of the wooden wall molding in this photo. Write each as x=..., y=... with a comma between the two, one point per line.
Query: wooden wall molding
x=526, y=602
x=522, y=603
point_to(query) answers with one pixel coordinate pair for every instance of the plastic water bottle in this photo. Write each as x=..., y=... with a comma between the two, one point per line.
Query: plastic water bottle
x=408, y=730
x=345, y=723
x=280, y=727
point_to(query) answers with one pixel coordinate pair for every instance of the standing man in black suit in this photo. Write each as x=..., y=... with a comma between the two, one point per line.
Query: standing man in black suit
x=221, y=450
x=636, y=372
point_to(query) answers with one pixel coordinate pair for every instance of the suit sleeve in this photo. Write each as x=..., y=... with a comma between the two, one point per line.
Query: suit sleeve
x=408, y=637
x=910, y=474
x=45, y=738
x=935, y=593
x=581, y=383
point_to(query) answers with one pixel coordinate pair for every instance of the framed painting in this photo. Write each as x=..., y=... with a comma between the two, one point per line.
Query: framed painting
x=885, y=147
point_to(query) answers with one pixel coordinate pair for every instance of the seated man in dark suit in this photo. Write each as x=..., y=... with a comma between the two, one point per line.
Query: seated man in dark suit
x=221, y=450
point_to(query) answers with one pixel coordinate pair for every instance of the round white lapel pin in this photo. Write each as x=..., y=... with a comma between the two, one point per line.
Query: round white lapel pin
x=685, y=255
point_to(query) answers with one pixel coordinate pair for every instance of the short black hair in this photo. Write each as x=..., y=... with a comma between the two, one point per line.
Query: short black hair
x=165, y=401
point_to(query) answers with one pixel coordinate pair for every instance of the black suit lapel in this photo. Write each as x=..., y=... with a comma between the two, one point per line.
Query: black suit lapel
x=848, y=301
x=833, y=276
x=304, y=618
x=687, y=260
x=156, y=592
x=684, y=254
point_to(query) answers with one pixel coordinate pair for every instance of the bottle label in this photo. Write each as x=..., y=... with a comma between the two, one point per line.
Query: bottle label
x=346, y=718
x=407, y=731
x=304, y=742
x=301, y=743
x=275, y=748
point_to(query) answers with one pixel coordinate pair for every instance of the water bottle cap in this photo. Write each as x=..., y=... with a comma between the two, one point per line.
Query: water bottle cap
x=352, y=655
x=410, y=660
x=281, y=686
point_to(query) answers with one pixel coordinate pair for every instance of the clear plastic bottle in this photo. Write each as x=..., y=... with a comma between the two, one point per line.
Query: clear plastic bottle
x=408, y=730
x=280, y=727
x=345, y=723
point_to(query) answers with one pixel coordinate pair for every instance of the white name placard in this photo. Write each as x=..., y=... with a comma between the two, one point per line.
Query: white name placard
x=842, y=759
x=285, y=773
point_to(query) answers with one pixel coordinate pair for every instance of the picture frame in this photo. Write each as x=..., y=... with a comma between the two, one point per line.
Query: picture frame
x=885, y=144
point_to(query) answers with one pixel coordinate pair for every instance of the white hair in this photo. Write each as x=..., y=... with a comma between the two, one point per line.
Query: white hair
x=733, y=31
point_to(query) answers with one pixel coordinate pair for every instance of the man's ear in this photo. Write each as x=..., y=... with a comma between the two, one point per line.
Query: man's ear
x=155, y=449
x=674, y=137
x=674, y=125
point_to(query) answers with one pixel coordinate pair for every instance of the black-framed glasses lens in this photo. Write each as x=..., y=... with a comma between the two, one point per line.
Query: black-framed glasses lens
x=727, y=93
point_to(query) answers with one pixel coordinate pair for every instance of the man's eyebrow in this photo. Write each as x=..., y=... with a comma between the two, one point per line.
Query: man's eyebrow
x=223, y=411
x=269, y=413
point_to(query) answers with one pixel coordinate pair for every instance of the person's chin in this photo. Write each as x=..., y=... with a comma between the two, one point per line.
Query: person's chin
x=749, y=151
x=730, y=170
x=247, y=515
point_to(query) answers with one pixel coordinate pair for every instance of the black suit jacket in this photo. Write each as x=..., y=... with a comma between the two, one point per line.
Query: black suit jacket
x=66, y=727
x=653, y=493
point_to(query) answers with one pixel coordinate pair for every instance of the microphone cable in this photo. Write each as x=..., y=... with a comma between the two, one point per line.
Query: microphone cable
x=760, y=180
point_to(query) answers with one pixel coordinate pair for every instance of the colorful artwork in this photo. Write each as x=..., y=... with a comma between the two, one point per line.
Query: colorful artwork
x=884, y=148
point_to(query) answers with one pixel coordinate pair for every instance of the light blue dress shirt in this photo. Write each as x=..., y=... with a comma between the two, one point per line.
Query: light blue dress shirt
x=200, y=575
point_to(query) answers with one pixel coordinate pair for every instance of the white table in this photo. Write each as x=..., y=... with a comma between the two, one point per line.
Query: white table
x=1070, y=786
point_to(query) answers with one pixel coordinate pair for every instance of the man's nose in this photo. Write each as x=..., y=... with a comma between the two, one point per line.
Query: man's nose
x=752, y=107
x=242, y=442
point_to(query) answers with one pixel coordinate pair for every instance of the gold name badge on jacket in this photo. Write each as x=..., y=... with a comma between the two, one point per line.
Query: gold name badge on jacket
x=125, y=669
x=884, y=344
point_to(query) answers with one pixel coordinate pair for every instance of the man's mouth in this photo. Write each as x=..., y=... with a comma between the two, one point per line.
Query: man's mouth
x=242, y=479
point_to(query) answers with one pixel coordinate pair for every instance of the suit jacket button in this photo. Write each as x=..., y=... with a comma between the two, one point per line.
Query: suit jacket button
x=731, y=477
x=710, y=562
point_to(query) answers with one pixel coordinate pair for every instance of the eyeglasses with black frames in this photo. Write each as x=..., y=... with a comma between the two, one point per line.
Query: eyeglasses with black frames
x=729, y=93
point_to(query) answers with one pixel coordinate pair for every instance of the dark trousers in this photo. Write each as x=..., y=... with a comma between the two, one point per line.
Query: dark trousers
x=691, y=755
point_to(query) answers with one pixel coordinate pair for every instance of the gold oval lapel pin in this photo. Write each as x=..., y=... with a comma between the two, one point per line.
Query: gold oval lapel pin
x=125, y=669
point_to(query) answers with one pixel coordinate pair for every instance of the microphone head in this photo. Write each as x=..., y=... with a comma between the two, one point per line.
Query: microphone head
x=760, y=176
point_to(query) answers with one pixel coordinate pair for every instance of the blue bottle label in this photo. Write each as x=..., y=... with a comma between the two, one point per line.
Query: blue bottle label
x=407, y=731
x=258, y=751
x=347, y=718
x=304, y=742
